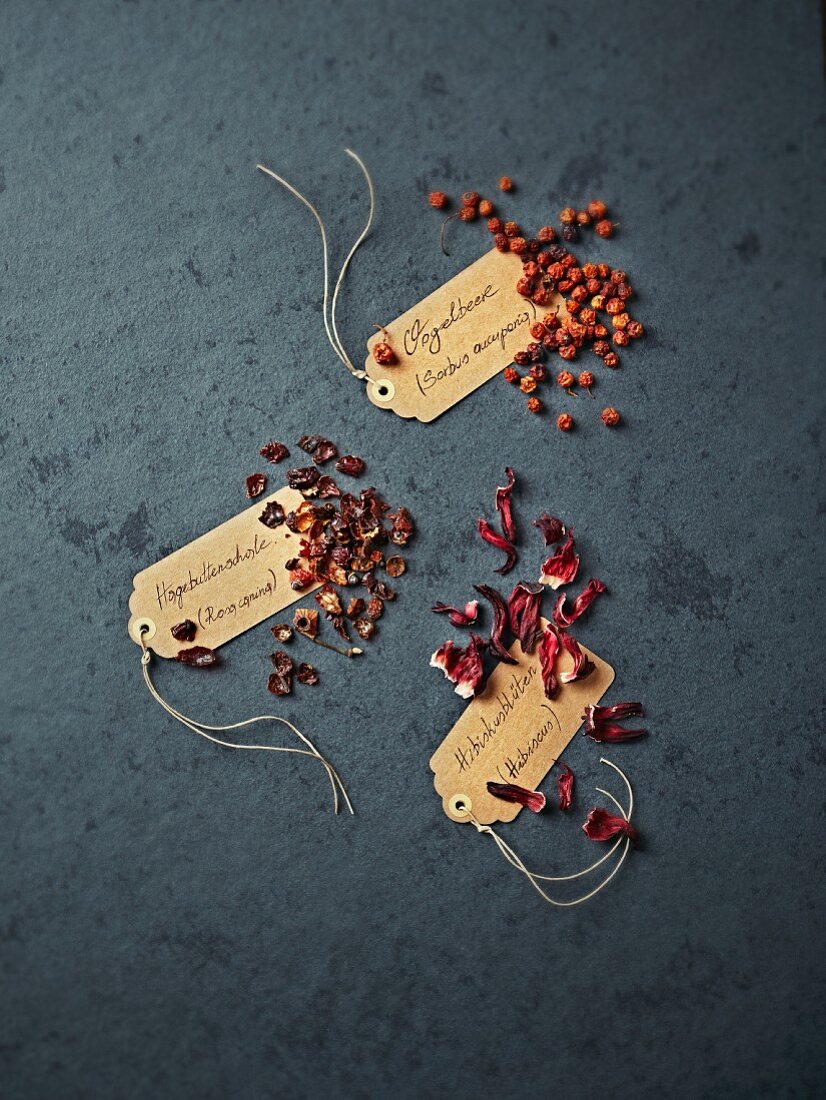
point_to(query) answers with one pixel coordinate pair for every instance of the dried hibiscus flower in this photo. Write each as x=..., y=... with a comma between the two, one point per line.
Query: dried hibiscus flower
x=510, y=792
x=561, y=567
x=350, y=464
x=256, y=484
x=500, y=542
x=600, y=825
x=583, y=666
x=183, y=632
x=504, y=507
x=500, y=621
x=523, y=611
x=307, y=674
x=282, y=632
x=601, y=722
x=565, y=787
x=305, y=621
x=581, y=604
x=548, y=649
x=274, y=452
x=273, y=514
x=553, y=529
x=457, y=615
x=197, y=656
x=463, y=667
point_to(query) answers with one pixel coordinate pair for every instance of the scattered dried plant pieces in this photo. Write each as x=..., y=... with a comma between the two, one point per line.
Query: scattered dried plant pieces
x=282, y=632
x=365, y=628
x=402, y=528
x=184, y=631
x=273, y=514
x=274, y=452
x=511, y=792
x=458, y=616
x=307, y=674
x=583, y=666
x=328, y=600
x=324, y=452
x=561, y=567
x=600, y=825
x=305, y=621
x=602, y=723
x=375, y=607
x=500, y=542
x=197, y=656
x=256, y=484
x=355, y=607
x=303, y=477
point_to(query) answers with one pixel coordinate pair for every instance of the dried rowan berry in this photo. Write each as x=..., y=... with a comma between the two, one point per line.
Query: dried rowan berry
x=618, y=276
x=600, y=331
x=620, y=320
x=583, y=217
x=604, y=271
x=567, y=216
x=511, y=229
x=510, y=374
x=256, y=484
x=568, y=351
x=590, y=271
x=538, y=330
x=183, y=631
x=521, y=358
x=538, y=372
x=565, y=379
x=438, y=200
x=547, y=233
x=470, y=198
x=467, y=214
x=519, y=245
x=501, y=243
x=495, y=225
x=598, y=302
x=564, y=422
x=586, y=380
x=597, y=209
x=274, y=452
x=527, y=384
x=611, y=359
x=614, y=305
x=485, y=208
x=621, y=338
x=573, y=307
x=601, y=348
x=534, y=405
x=587, y=316
x=542, y=297
x=384, y=354
x=610, y=417
x=569, y=233
x=579, y=294
x=634, y=329
x=525, y=287
x=530, y=269
x=551, y=320
x=623, y=291
x=604, y=228
x=505, y=183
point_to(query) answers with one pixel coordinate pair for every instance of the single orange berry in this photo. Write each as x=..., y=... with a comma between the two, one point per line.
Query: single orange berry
x=384, y=354
x=565, y=379
x=604, y=228
x=511, y=374
x=468, y=214
x=611, y=359
x=609, y=417
x=586, y=379
x=567, y=216
x=583, y=217
x=528, y=384
x=597, y=209
x=438, y=200
x=564, y=422
x=485, y=208
x=470, y=198
x=505, y=183
x=534, y=405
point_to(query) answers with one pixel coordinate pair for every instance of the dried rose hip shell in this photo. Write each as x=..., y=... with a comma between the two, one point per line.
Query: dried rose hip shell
x=274, y=452
x=309, y=443
x=273, y=514
x=365, y=628
x=256, y=484
x=327, y=599
x=301, y=578
x=278, y=684
x=356, y=607
x=282, y=662
x=327, y=487
x=324, y=452
x=375, y=608
x=198, y=656
x=307, y=674
x=395, y=566
x=282, y=632
x=303, y=477
x=305, y=621
x=183, y=632
x=350, y=464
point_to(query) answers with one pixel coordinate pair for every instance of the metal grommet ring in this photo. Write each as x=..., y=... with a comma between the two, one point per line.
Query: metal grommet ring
x=143, y=629
x=460, y=805
x=383, y=389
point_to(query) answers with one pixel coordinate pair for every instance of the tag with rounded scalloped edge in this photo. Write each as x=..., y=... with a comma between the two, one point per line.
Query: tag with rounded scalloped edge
x=511, y=733
x=454, y=340
x=226, y=581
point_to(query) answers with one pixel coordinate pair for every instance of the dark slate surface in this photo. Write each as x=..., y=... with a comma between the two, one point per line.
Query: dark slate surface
x=181, y=922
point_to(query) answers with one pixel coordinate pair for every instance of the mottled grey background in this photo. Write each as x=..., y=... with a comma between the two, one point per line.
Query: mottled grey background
x=181, y=922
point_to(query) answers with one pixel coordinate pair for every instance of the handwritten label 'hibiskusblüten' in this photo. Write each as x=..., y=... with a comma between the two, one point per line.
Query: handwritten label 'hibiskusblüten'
x=512, y=733
x=455, y=340
x=226, y=581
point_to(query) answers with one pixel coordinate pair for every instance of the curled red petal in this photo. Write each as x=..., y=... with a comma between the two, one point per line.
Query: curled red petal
x=553, y=529
x=523, y=612
x=504, y=507
x=583, y=666
x=601, y=722
x=500, y=542
x=500, y=621
x=561, y=567
x=457, y=615
x=580, y=605
x=600, y=825
x=463, y=667
x=548, y=649
x=510, y=792
x=565, y=787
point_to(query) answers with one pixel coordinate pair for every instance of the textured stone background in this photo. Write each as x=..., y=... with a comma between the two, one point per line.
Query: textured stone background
x=181, y=922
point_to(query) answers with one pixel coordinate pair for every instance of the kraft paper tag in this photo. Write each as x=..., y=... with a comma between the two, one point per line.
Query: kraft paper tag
x=226, y=581
x=512, y=734
x=455, y=340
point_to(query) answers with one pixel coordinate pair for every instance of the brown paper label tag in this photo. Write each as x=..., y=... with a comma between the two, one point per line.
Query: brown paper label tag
x=512, y=734
x=226, y=581
x=456, y=339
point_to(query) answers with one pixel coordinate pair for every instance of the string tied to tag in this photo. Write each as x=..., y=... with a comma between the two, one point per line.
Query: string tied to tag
x=207, y=732
x=328, y=308
x=535, y=878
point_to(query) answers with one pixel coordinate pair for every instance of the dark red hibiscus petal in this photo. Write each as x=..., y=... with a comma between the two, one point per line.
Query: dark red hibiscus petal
x=500, y=621
x=457, y=615
x=561, y=567
x=553, y=529
x=197, y=656
x=523, y=612
x=504, y=507
x=581, y=604
x=463, y=667
x=601, y=723
x=583, y=666
x=548, y=649
x=500, y=542
x=600, y=825
x=510, y=792
x=565, y=787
